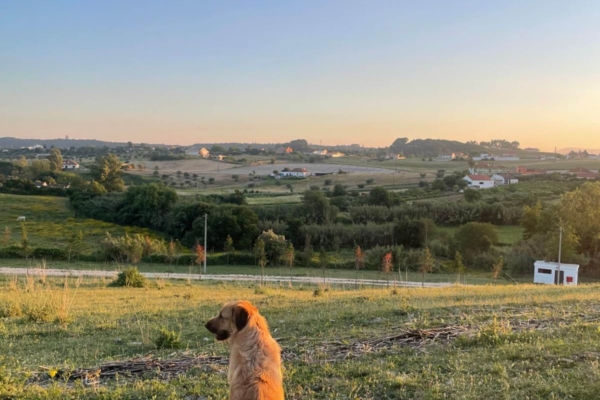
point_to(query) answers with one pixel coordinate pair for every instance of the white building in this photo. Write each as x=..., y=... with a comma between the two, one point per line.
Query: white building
x=546, y=272
x=479, y=181
x=446, y=157
x=295, y=173
x=70, y=164
x=504, y=180
x=503, y=157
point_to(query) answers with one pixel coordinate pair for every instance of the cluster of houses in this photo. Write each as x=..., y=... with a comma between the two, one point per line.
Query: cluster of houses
x=475, y=181
x=495, y=175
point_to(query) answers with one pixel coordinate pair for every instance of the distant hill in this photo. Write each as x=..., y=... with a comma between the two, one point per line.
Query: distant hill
x=576, y=149
x=12, y=142
x=433, y=147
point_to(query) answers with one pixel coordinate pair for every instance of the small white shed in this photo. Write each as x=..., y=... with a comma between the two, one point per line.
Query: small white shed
x=546, y=272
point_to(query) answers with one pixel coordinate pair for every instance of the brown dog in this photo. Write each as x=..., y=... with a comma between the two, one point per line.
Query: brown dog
x=255, y=357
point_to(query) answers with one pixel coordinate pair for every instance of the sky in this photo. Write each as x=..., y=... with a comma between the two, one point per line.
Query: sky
x=331, y=72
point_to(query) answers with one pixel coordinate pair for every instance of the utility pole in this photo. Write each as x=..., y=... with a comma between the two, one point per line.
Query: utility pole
x=559, y=253
x=205, y=236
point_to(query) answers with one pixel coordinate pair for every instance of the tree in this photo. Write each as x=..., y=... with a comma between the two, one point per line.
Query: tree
x=475, y=237
x=323, y=262
x=378, y=196
x=6, y=236
x=25, y=244
x=399, y=145
x=21, y=163
x=274, y=245
x=471, y=163
x=308, y=251
x=200, y=256
x=569, y=248
x=155, y=174
x=580, y=211
x=299, y=145
x=147, y=205
x=458, y=265
x=387, y=266
x=316, y=206
x=359, y=262
x=530, y=219
x=261, y=257
x=426, y=265
x=106, y=170
x=74, y=244
x=472, y=195
x=439, y=185
x=171, y=251
x=338, y=190
x=228, y=247
x=39, y=168
x=289, y=257
x=498, y=267
x=56, y=160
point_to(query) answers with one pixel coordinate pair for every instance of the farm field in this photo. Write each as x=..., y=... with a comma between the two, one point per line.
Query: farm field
x=507, y=235
x=458, y=342
x=50, y=222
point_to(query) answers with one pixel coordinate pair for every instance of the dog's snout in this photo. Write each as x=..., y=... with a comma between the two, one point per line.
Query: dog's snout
x=210, y=326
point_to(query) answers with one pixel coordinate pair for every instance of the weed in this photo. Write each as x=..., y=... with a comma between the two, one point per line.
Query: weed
x=10, y=309
x=168, y=339
x=37, y=307
x=160, y=283
x=130, y=277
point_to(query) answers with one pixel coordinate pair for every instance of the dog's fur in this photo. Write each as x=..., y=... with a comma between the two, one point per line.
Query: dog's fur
x=255, y=357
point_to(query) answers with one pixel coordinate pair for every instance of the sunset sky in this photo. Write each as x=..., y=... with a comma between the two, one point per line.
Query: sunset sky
x=340, y=72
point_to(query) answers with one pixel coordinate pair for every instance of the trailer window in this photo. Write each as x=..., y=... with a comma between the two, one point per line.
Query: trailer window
x=545, y=271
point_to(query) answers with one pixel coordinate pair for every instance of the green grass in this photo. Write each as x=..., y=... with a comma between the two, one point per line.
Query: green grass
x=264, y=200
x=537, y=342
x=507, y=235
x=50, y=222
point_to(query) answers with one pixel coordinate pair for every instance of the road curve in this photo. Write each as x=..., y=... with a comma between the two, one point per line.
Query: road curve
x=230, y=278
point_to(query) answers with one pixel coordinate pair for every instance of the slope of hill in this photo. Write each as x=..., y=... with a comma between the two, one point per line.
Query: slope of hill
x=11, y=142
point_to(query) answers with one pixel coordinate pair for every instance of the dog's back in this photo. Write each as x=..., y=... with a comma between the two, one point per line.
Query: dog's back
x=255, y=363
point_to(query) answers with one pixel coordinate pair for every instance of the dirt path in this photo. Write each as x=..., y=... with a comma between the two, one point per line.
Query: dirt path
x=230, y=278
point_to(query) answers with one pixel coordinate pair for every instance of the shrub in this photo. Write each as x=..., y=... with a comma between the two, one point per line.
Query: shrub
x=10, y=309
x=130, y=277
x=168, y=339
x=38, y=308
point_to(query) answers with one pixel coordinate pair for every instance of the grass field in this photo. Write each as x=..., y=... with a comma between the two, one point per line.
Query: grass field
x=50, y=222
x=496, y=342
x=472, y=277
x=507, y=235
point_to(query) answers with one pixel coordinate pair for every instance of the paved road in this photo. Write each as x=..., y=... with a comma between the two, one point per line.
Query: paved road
x=231, y=278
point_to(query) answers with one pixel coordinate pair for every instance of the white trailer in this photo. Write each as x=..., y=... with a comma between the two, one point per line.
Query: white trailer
x=546, y=272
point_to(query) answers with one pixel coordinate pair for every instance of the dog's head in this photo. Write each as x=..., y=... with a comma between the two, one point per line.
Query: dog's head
x=233, y=318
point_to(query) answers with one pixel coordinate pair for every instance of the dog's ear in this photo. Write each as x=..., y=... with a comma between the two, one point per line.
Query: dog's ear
x=240, y=315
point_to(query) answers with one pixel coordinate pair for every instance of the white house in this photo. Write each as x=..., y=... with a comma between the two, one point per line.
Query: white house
x=446, y=157
x=546, y=272
x=295, y=173
x=70, y=164
x=504, y=180
x=479, y=181
x=503, y=157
